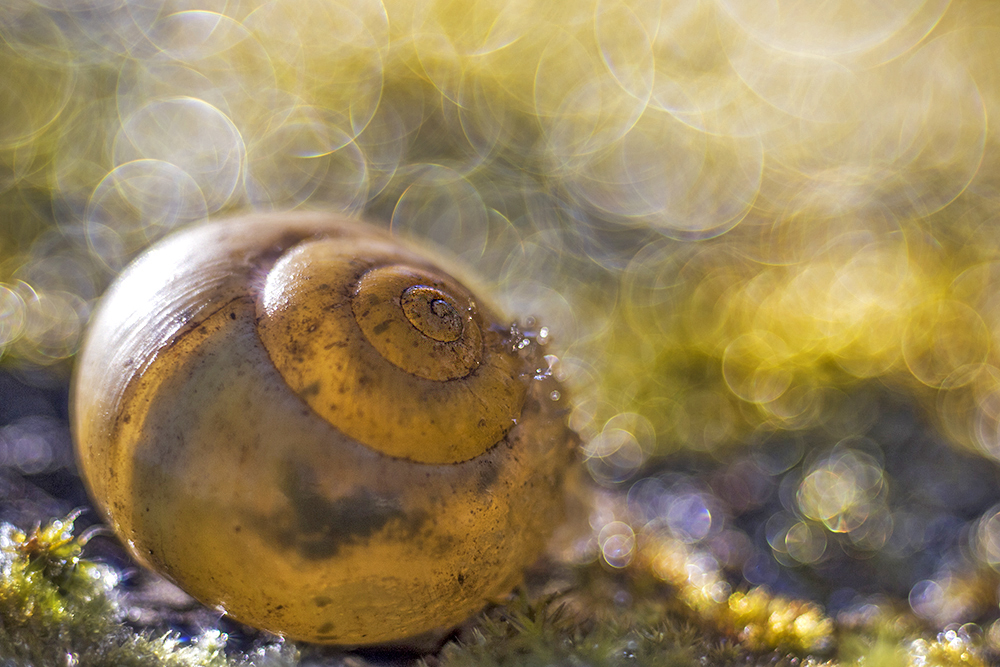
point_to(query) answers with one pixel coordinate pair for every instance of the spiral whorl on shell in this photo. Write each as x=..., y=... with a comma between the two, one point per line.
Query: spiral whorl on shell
x=403, y=330
x=302, y=421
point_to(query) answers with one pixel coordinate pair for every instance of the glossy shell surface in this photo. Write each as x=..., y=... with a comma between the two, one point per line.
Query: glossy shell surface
x=305, y=423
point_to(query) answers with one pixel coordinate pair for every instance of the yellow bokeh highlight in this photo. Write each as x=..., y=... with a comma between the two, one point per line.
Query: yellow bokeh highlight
x=730, y=215
x=731, y=222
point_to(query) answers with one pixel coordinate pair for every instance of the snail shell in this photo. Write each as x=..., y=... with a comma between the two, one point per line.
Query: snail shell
x=304, y=423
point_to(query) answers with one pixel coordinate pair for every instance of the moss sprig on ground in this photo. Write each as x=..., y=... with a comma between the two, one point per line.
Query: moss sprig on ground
x=58, y=609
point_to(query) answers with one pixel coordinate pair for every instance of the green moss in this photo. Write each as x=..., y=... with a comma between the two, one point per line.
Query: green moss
x=542, y=632
x=59, y=609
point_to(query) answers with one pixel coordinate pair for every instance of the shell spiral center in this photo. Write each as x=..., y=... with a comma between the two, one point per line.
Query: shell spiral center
x=418, y=323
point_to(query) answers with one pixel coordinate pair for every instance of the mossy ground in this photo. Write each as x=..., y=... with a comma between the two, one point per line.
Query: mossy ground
x=58, y=608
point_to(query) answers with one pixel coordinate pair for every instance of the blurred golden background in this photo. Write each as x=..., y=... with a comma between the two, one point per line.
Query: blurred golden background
x=762, y=236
